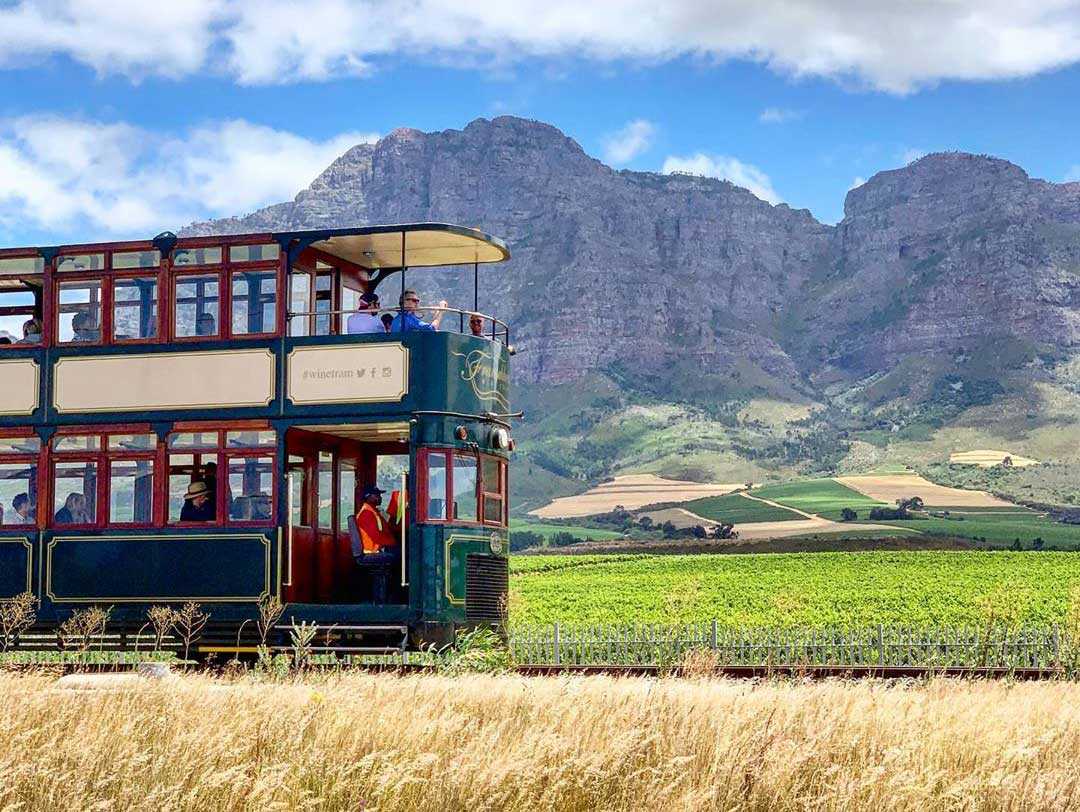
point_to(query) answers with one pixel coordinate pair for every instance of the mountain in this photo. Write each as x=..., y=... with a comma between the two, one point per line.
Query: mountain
x=670, y=321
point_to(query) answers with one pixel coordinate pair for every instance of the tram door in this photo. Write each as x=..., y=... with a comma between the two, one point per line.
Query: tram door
x=323, y=475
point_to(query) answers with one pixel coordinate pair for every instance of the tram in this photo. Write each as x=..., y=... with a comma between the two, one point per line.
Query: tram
x=140, y=378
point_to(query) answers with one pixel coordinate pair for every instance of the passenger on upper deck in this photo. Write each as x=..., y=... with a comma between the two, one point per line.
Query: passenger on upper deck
x=31, y=330
x=408, y=320
x=367, y=320
x=85, y=327
x=205, y=325
x=476, y=325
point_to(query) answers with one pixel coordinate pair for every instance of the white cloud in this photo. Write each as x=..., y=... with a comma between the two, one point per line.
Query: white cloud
x=896, y=47
x=64, y=176
x=778, y=115
x=726, y=168
x=910, y=155
x=857, y=182
x=1072, y=175
x=625, y=144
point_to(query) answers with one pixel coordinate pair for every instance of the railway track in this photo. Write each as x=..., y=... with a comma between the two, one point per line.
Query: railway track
x=797, y=671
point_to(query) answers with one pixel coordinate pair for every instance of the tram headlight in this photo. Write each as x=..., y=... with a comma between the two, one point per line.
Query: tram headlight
x=500, y=439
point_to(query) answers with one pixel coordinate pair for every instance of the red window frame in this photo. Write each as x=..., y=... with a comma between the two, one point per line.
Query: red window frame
x=450, y=453
x=225, y=271
x=41, y=461
x=500, y=493
x=222, y=455
x=103, y=458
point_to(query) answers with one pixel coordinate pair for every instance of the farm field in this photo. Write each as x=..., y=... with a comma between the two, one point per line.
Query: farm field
x=852, y=590
x=632, y=491
x=544, y=529
x=425, y=743
x=738, y=509
x=824, y=497
x=988, y=458
x=890, y=487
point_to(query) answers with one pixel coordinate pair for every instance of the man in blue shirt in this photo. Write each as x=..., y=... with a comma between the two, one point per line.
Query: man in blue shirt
x=407, y=318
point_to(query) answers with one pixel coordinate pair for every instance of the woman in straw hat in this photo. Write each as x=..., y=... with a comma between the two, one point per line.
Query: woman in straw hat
x=197, y=504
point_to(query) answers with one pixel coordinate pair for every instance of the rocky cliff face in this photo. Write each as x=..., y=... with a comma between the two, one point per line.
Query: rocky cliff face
x=643, y=270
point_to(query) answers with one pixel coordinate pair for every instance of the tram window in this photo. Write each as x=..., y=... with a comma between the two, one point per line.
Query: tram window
x=77, y=442
x=326, y=489
x=20, y=309
x=81, y=262
x=346, y=493
x=18, y=492
x=297, y=504
x=494, y=486
x=185, y=471
x=300, y=302
x=251, y=439
x=19, y=445
x=195, y=439
x=324, y=302
x=21, y=265
x=253, y=253
x=196, y=306
x=251, y=484
x=196, y=256
x=436, y=485
x=79, y=313
x=254, y=302
x=135, y=308
x=132, y=442
x=465, y=488
x=131, y=491
x=74, y=492
x=122, y=260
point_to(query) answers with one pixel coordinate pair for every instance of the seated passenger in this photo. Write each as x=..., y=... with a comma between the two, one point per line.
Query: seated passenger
x=86, y=328
x=205, y=325
x=73, y=511
x=241, y=509
x=21, y=507
x=197, y=506
x=31, y=331
x=5, y=340
x=407, y=318
x=377, y=554
x=476, y=325
x=387, y=320
x=261, y=507
x=367, y=320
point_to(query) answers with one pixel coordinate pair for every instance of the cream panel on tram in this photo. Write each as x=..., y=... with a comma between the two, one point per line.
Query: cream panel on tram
x=18, y=386
x=348, y=373
x=175, y=380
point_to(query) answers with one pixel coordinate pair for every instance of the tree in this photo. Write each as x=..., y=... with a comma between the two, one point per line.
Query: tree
x=848, y=515
x=698, y=531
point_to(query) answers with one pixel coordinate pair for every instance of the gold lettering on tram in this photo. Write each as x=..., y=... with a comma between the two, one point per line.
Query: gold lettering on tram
x=350, y=373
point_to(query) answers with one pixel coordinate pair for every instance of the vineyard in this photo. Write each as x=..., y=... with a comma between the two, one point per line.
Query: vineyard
x=815, y=590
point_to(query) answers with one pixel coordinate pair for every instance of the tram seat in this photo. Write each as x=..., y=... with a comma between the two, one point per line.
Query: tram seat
x=355, y=542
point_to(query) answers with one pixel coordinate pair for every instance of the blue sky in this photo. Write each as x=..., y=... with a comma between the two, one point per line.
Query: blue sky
x=121, y=121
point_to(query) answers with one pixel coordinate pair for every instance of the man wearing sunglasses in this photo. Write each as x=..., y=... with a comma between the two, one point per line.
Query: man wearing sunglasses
x=408, y=319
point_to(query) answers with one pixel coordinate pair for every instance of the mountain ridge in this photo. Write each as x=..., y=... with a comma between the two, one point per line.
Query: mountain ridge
x=951, y=285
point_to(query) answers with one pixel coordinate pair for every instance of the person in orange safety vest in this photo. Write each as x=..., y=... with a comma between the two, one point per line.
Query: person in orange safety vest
x=374, y=526
x=377, y=542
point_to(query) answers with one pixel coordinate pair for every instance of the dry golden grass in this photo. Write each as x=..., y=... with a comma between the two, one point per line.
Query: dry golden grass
x=988, y=458
x=494, y=743
x=890, y=487
x=631, y=491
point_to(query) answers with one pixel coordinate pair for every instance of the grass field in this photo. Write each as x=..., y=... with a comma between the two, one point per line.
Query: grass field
x=999, y=527
x=738, y=509
x=546, y=530
x=474, y=742
x=854, y=590
x=825, y=497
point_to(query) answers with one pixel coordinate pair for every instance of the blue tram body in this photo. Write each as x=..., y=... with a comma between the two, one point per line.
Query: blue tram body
x=281, y=414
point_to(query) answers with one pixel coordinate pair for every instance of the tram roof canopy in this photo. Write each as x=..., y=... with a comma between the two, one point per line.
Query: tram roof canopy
x=412, y=245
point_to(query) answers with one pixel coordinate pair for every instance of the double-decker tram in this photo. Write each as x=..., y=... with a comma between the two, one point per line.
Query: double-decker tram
x=204, y=419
